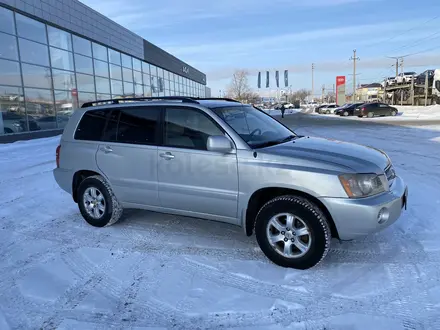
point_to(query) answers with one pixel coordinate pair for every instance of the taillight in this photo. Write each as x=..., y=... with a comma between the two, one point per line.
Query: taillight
x=363, y=109
x=57, y=153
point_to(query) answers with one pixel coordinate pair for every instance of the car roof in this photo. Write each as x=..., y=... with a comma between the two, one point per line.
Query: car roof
x=134, y=102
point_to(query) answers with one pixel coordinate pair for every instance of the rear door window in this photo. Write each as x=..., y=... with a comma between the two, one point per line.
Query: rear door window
x=138, y=126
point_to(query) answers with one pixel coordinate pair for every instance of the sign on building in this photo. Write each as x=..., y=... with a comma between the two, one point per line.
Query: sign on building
x=340, y=90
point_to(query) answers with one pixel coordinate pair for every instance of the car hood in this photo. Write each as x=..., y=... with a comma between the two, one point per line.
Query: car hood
x=331, y=155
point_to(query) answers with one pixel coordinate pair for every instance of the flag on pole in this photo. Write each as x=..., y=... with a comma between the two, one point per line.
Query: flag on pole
x=267, y=79
x=286, y=78
x=277, y=78
x=259, y=80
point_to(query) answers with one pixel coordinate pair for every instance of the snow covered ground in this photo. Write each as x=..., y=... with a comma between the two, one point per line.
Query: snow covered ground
x=154, y=271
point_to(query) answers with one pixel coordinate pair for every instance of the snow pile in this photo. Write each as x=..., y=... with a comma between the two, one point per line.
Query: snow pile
x=432, y=111
x=274, y=112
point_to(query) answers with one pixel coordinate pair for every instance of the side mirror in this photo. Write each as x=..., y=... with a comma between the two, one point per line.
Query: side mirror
x=219, y=143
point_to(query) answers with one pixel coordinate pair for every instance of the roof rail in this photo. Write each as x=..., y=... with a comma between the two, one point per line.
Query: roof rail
x=138, y=99
x=215, y=98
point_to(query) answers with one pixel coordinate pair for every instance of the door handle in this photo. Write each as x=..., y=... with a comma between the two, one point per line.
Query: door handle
x=167, y=155
x=107, y=149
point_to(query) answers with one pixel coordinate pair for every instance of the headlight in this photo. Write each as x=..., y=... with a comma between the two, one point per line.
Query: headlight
x=363, y=185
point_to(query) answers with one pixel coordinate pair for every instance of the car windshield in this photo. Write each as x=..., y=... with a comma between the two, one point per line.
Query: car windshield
x=256, y=128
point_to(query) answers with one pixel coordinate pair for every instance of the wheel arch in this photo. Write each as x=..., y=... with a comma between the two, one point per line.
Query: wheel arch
x=79, y=177
x=263, y=195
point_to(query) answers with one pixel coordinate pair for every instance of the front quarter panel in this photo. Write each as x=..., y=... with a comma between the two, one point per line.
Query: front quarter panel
x=318, y=179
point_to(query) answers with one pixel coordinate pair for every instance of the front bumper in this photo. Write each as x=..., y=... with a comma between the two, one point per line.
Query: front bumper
x=356, y=218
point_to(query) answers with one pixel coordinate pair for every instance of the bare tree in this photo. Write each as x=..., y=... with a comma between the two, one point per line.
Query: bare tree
x=299, y=95
x=239, y=87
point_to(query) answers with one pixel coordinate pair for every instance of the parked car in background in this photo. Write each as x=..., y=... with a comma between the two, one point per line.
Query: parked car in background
x=371, y=110
x=348, y=110
x=328, y=109
x=14, y=122
x=406, y=77
x=262, y=177
x=320, y=106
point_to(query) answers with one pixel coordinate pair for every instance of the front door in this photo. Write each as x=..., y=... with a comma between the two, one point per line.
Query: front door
x=128, y=154
x=191, y=178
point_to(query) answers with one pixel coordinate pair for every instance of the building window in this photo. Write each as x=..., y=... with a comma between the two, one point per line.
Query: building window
x=102, y=85
x=137, y=64
x=82, y=46
x=137, y=77
x=103, y=96
x=138, y=90
x=128, y=89
x=100, y=52
x=61, y=59
x=114, y=57
x=85, y=97
x=59, y=38
x=31, y=29
x=63, y=80
x=12, y=111
x=145, y=68
x=83, y=64
x=101, y=68
x=33, y=52
x=127, y=74
x=8, y=47
x=116, y=88
x=39, y=106
x=36, y=76
x=115, y=72
x=85, y=83
x=126, y=61
x=6, y=22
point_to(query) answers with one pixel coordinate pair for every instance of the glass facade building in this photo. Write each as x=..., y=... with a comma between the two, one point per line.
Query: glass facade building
x=46, y=72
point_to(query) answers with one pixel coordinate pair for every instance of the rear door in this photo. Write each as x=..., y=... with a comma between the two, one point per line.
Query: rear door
x=127, y=154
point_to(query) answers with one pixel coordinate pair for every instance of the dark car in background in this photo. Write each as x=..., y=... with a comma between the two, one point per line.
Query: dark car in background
x=421, y=78
x=375, y=109
x=348, y=109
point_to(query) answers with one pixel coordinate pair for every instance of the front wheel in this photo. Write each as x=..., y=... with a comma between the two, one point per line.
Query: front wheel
x=97, y=203
x=393, y=113
x=345, y=113
x=370, y=115
x=293, y=232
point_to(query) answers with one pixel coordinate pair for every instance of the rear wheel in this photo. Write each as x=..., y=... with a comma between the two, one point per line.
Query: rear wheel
x=360, y=116
x=328, y=112
x=370, y=114
x=293, y=232
x=97, y=203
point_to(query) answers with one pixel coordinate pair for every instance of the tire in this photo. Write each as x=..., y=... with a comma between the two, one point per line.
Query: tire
x=360, y=116
x=317, y=241
x=110, y=211
x=393, y=113
x=328, y=112
x=370, y=115
x=345, y=114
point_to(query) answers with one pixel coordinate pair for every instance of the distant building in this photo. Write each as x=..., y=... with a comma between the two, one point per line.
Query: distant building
x=369, y=92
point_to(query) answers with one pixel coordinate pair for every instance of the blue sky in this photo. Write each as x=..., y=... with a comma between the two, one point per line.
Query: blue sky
x=218, y=37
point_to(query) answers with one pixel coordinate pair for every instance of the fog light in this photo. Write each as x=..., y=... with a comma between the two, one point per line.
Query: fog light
x=383, y=215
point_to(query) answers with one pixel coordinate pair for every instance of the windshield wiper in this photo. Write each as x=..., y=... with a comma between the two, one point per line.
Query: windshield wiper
x=275, y=142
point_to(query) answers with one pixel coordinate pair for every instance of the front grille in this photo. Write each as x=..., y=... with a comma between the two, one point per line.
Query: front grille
x=390, y=174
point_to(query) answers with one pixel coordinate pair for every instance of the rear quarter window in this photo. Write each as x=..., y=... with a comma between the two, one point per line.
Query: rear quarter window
x=91, y=125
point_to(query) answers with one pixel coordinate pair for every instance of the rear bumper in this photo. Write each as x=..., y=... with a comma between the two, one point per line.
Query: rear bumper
x=64, y=179
x=356, y=218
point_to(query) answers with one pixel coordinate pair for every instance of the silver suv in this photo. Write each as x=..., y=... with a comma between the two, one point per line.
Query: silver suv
x=221, y=160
